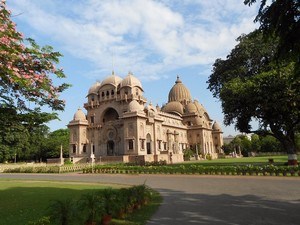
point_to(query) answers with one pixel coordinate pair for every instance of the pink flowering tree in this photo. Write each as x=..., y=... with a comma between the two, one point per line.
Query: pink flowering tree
x=27, y=72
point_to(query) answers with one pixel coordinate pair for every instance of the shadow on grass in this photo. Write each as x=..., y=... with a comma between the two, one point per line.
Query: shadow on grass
x=19, y=205
x=224, y=209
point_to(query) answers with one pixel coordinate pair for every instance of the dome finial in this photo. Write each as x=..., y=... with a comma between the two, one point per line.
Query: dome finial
x=178, y=80
x=113, y=72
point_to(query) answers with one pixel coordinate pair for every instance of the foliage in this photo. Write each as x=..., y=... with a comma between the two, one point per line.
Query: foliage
x=42, y=221
x=109, y=197
x=54, y=141
x=259, y=166
x=281, y=17
x=92, y=206
x=36, y=195
x=188, y=154
x=270, y=144
x=256, y=144
x=252, y=84
x=25, y=69
x=36, y=169
x=38, y=145
x=26, y=84
x=62, y=211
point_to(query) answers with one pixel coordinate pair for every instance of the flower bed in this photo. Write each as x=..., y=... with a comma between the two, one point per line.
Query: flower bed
x=266, y=170
x=258, y=170
x=46, y=169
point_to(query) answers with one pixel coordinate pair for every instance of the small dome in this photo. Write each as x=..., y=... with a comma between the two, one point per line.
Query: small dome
x=179, y=92
x=173, y=107
x=131, y=81
x=150, y=107
x=198, y=121
x=79, y=115
x=94, y=88
x=112, y=80
x=191, y=108
x=216, y=126
x=199, y=107
x=134, y=106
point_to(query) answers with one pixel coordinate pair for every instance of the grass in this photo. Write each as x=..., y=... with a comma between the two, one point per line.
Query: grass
x=24, y=201
x=262, y=160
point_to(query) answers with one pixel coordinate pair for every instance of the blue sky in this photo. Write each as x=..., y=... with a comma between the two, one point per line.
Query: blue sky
x=155, y=40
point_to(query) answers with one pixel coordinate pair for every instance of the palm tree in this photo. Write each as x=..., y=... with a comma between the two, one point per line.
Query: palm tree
x=62, y=211
x=92, y=205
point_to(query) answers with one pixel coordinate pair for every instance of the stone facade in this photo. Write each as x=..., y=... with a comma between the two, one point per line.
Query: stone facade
x=121, y=126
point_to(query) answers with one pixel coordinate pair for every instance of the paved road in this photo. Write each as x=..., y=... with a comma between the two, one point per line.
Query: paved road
x=208, y=199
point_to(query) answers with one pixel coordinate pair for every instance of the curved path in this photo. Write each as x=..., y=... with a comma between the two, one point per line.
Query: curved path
x=193, y=199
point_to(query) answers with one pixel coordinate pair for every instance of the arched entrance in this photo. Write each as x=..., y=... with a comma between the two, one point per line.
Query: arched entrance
x=110, y=114
x=110, y=148
x=148, y=143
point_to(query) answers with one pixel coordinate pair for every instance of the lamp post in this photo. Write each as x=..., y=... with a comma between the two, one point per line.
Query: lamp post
x=197, y=154
x=61, y=155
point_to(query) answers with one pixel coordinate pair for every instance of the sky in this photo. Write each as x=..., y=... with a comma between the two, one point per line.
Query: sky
x=156, y=40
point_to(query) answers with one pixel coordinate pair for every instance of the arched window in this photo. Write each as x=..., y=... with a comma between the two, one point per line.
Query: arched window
x=130, y=144
x=112, y=92
x=92, y=119
x=107, y=93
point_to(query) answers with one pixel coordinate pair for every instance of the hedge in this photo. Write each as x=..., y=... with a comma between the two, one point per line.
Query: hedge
x=197, y=169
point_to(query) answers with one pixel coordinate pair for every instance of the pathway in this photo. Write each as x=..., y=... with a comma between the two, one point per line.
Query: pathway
x=193, y=199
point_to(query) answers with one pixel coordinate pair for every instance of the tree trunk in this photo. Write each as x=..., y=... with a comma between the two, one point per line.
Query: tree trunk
x=291, y=151
x=288, y=142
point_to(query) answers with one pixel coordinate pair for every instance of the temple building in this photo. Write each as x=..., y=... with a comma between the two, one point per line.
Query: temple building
x=121, y=126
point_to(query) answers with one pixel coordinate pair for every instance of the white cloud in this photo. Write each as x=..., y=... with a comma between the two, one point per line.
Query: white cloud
x=146, y=36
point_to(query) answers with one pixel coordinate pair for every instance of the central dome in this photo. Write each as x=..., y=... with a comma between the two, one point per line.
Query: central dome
x=179, y=92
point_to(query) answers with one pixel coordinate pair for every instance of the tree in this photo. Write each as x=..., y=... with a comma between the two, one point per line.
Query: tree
x=282, y=18
x=255, y=143
x=253, y=84
x=37, y=143
x=270, y=144
x=26, y=76
x=54, y=141
x=25, y=69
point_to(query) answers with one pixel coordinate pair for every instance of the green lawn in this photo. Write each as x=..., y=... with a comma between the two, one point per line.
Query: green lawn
x=278, y=160
x=24, y=201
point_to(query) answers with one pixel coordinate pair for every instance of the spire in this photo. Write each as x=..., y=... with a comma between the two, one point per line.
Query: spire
x=178, y=80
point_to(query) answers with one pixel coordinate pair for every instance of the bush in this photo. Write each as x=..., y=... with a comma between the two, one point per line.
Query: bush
x=42, y=221
x=68, y=162
x=187, y=154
